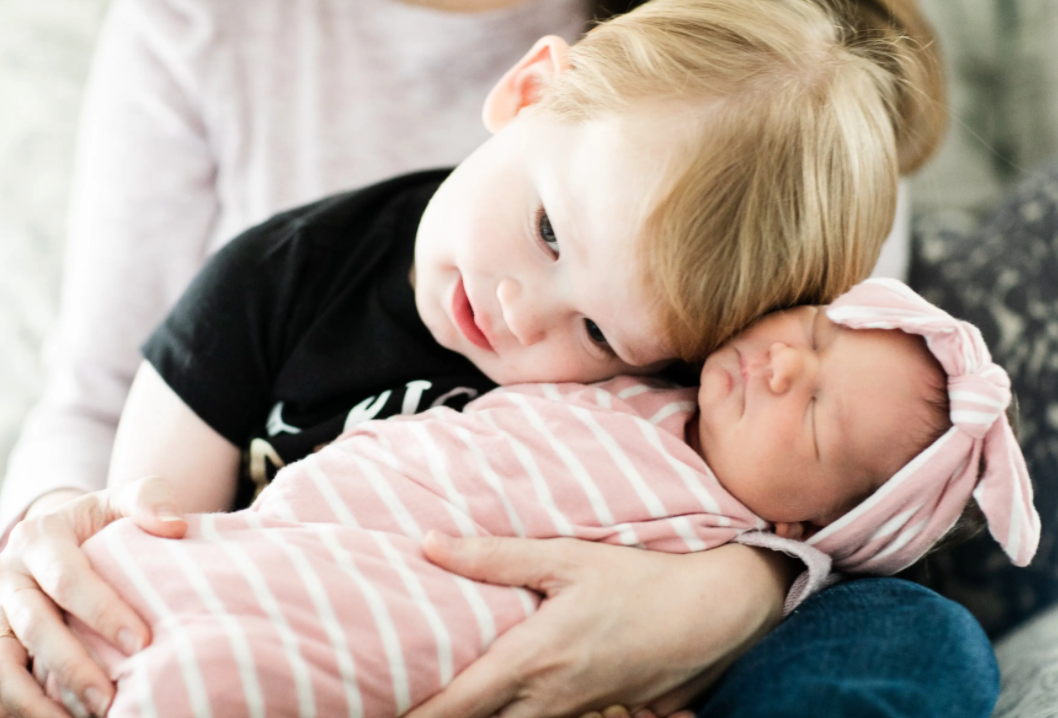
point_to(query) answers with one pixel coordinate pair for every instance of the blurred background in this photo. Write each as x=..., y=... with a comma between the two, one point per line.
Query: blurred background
x=1003, y=78
x=1002, y=70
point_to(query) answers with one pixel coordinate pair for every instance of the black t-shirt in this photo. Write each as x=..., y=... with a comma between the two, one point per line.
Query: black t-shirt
x=306, y=324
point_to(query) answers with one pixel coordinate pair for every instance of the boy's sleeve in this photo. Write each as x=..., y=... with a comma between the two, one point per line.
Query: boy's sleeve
x=223, y=344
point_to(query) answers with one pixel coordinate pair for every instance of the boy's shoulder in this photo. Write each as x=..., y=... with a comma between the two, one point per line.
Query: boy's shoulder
x=348, y=231
x=378, y=207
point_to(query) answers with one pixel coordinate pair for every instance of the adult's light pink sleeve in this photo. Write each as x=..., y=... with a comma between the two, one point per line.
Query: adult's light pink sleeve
x=140, y=220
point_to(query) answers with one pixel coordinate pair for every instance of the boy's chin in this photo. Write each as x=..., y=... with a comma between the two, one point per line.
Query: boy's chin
x=494, y=369
x=490, y=364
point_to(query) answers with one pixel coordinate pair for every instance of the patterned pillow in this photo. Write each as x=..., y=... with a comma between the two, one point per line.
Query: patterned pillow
x=1002, y=275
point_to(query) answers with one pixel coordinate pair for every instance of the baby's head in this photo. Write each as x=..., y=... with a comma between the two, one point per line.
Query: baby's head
x=801, y=418
x=681, y=170
x=836, y=425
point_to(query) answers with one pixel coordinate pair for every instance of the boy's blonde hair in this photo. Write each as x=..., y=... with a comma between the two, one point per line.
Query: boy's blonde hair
x=799, y=119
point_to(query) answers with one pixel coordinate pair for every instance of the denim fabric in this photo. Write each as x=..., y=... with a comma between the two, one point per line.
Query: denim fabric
x=867, y=648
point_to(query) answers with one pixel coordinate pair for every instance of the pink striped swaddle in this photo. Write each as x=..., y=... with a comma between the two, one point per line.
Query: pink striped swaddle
x=317, y=600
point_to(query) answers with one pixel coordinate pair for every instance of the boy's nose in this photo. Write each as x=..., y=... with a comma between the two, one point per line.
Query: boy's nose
x=524, y=315
x=787, y=366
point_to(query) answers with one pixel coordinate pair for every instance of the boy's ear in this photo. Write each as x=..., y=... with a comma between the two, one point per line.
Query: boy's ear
x=521, y=85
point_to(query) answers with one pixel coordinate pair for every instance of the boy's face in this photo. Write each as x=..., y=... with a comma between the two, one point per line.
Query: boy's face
x=801, y=418
x=526, y=257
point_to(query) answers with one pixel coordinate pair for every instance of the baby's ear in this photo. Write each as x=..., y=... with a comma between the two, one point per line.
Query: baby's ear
x=521, y=85
x=795, y=530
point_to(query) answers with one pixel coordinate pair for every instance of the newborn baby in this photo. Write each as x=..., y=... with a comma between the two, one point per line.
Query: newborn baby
x=842, y=427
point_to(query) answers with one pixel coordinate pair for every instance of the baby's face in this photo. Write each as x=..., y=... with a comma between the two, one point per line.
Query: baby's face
x=801, y=418
x=526, y=257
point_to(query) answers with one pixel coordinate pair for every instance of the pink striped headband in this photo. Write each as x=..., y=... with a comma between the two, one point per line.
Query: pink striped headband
x=908, y=514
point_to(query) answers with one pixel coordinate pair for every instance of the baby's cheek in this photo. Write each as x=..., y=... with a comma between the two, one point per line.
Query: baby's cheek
x=753, y=480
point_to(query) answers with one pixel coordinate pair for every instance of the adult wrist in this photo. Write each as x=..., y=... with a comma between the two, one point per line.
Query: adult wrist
x=781, y=567
x=769, y=576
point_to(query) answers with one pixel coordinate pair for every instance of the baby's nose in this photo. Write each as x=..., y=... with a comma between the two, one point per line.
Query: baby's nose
x=787, y=366
x=524, y=317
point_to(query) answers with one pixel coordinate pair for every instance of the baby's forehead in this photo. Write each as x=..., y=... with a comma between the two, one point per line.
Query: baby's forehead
x=896, y=397
x=783, y=318
x=906, y=356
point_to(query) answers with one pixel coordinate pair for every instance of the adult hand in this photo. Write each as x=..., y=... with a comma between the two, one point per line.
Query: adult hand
x=622, y=712
x=619, y=627
x=44, y=572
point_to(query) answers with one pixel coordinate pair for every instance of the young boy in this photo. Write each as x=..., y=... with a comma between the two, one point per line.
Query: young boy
x=829, y=424
x=644, y=196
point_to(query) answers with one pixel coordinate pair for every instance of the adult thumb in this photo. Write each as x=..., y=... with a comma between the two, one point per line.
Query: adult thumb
x=539, y=564
x=151, y=503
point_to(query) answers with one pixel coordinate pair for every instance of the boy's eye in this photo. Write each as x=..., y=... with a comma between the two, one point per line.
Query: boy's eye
x=546, y=232
x=595, y=333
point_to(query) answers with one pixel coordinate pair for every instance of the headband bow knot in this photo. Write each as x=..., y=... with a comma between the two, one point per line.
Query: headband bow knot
x=978, y=400
x=979, y=456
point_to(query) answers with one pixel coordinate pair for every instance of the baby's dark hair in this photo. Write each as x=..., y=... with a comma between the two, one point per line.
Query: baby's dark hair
x=972, y=520
x=938, y=419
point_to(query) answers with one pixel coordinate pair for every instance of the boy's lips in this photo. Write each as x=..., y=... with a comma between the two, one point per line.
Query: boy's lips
x=463, y=314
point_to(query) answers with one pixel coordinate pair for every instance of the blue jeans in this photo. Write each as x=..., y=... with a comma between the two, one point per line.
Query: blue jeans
x=865, y=648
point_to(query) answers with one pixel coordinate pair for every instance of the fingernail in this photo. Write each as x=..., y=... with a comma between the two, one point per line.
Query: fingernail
x=615, y=712
x=96, y=700
x=438, y=538
x=167, y=513
x=129, y=642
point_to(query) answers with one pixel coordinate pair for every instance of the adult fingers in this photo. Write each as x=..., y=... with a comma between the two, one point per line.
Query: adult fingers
x=20, y=694
x=506, y=681
x=520, y=676
x=39, y=627
x=622, y=712
x=53, y=569
x=481, y=690
x=672, y=703
x=151, y=503
x=539, y=564
x=617, y=626
x=615, y=712
x=42, y=569
x=50, y=551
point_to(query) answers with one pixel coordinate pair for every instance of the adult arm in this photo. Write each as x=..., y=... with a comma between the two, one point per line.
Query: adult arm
x=142, y=210
x=618, y=625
